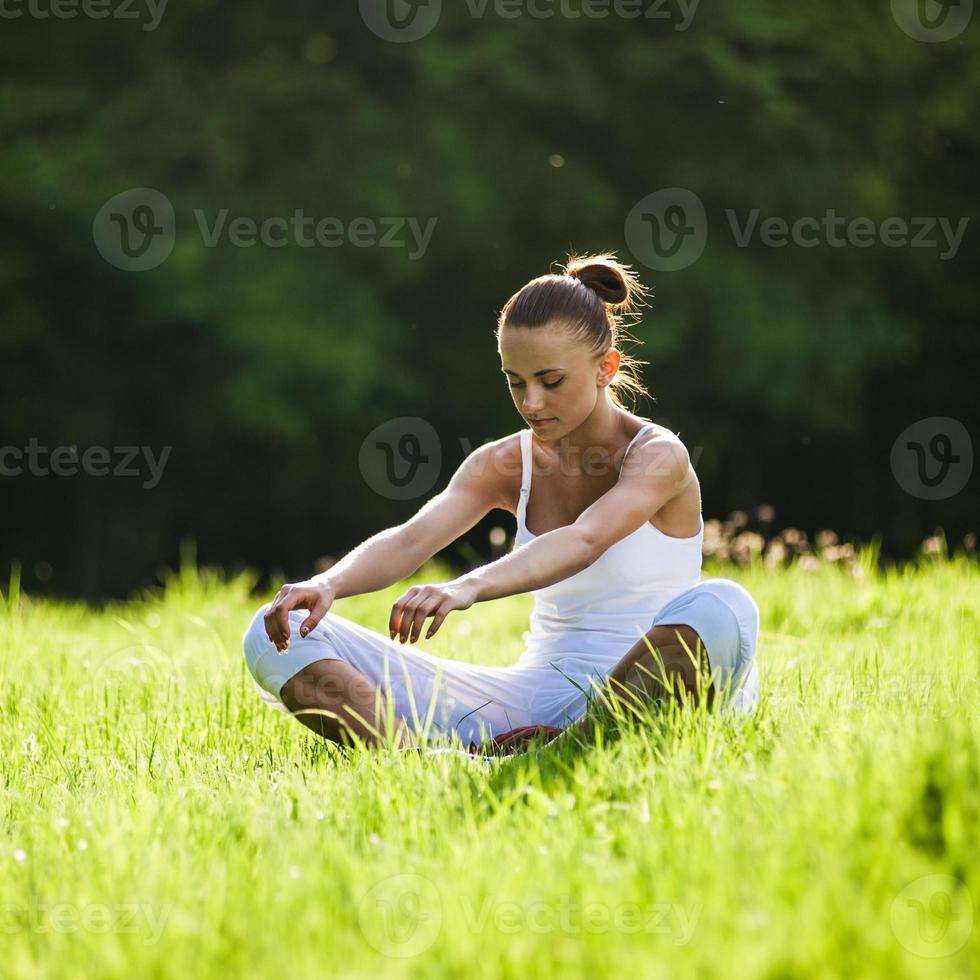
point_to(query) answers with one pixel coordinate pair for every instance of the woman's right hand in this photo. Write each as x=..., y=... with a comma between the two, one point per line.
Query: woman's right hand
x=312, y=595
x=517, y=739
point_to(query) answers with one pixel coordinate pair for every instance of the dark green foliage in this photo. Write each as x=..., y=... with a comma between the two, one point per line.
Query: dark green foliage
x=791, y=369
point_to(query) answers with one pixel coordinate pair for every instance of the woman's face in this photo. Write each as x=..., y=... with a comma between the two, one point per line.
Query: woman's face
x=551, y=377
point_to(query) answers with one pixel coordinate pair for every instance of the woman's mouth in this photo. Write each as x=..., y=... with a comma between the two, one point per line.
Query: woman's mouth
x=541, y=422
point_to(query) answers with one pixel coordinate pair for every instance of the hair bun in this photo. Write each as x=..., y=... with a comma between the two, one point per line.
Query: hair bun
x=604, y=276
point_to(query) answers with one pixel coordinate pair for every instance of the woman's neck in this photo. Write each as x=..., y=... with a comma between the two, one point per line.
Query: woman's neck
x=592, y=446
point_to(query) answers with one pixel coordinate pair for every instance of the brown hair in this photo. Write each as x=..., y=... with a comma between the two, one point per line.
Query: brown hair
x=593, y=297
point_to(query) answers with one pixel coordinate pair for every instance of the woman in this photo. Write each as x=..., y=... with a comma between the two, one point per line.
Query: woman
x=614, y=559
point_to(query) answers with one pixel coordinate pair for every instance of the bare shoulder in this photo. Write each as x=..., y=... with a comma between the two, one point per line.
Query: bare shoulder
x=659, y=466
x=498, y=465
x=658, y=453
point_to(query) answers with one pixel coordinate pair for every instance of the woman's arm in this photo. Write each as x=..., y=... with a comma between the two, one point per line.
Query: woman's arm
x=477, y=487
x=547, y=559
x=541, y=562
x=382, y=560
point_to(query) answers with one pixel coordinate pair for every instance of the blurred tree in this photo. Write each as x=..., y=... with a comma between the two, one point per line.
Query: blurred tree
x=792, y=370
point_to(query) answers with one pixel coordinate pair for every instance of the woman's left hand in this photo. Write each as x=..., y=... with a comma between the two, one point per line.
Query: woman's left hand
x=409, y=613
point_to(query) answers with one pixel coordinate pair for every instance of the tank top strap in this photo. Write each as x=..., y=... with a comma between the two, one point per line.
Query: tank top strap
x=525, y=435
x=630, y=446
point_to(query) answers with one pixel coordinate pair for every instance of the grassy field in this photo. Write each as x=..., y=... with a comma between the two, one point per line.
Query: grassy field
x=157, y=820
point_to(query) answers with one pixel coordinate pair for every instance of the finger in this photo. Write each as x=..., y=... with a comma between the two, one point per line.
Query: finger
x=417, y=624
x=397, y=613
x=282, y=607
x=404, y=627
x=273, y=624
x=282, y=624
x=424, y=610
x=316, y=614
x=437, y=620
x=405, y=624
x=272, y=628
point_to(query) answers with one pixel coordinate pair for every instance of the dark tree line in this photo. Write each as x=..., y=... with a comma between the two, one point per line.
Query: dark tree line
x=792, y=368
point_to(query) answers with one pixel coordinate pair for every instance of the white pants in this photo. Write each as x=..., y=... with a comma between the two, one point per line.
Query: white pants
x=475, y=702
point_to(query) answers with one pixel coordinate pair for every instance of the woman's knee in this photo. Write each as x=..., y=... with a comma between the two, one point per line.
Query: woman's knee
x=743, y=607
x=747, y=605
x=728, y=590
x=255, y=640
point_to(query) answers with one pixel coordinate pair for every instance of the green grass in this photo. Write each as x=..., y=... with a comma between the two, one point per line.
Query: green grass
x=157, y=820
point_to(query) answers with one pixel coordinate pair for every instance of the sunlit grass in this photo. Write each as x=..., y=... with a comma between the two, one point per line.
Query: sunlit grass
x=158, y=820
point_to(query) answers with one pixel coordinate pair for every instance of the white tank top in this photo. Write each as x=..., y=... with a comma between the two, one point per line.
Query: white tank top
x=600, y=612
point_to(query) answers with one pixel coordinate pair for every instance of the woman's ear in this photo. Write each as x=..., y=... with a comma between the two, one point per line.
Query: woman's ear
x=609, y=365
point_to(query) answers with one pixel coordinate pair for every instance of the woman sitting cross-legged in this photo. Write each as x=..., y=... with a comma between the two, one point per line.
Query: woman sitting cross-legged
x=613, y=560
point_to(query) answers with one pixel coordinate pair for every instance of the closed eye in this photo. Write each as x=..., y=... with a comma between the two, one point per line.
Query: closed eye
x=520, y=384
